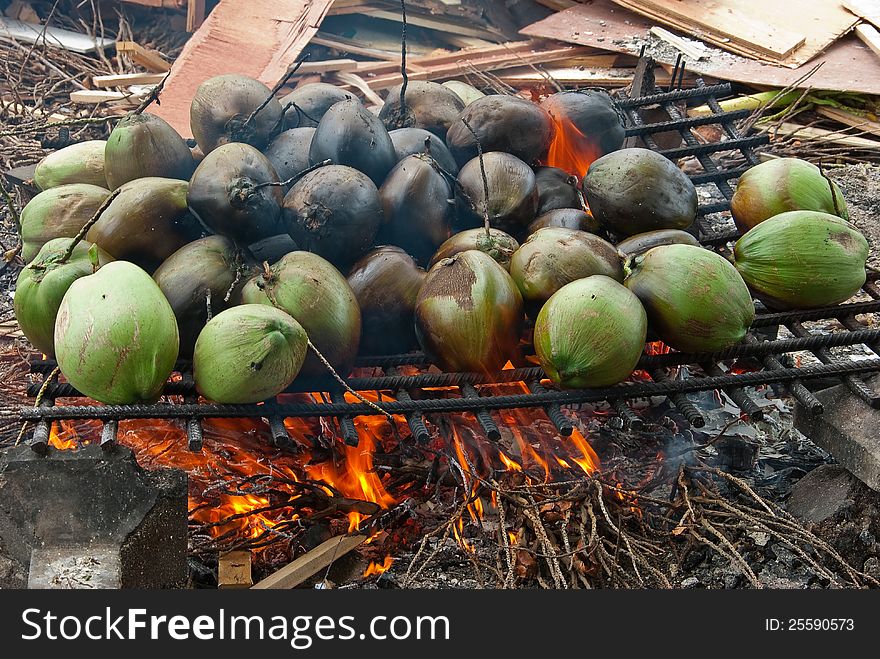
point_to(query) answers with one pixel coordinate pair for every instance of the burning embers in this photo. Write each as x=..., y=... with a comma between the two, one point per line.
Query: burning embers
x=244, y=493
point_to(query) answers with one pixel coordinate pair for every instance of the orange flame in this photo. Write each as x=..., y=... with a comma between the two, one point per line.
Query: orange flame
x=588, y=460
x=571, y=150
x=378, y=568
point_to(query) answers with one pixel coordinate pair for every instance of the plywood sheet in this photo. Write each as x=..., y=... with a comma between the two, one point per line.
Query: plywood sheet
x=751, y=27
x=847, y=65
x=259, y=38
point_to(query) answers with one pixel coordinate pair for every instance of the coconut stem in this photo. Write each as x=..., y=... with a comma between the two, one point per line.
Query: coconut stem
x=293, y=179
x=486, y=221
x=287, y=76
x=832, y=188
x=152, y=96
x=88, y=225
x=344, y=384
x=402, y=109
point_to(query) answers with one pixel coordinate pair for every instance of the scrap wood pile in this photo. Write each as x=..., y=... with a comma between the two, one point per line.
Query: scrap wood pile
x=567, y=537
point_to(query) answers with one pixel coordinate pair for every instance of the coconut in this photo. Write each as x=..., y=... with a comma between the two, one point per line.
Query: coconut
x=78, y=163
x=637, y=190
x=145, y=145
x=222, y=111
x=513, y=193
x=227, y=193
x=557, y=189
x=552, y=258
x=42, y=284
x=417, y=207
x=469, y=314
x=429, y=105
x=467, y=93
x=591, y=333
x=565, y=218
x=203, y=276
x=497, y=244
x=386, y=282
x=289, y=152
x=308, y=104
x=248, y=354
x=642, y=242
x=147, y=222
x=351, y=135
x=501, y=123
x=311, y=290
x=695, y=299
x=334, y=211
x=59, y=212
x=412, y=141
x=593, y=114
x=802, y=259
x=115, y=336
x=781, y=185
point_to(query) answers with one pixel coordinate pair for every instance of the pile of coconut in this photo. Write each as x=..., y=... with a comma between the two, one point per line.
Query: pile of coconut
x=304, y=231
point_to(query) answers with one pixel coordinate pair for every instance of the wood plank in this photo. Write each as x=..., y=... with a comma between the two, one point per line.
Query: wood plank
x=438, y=24
x=94, y=96
x=50, y=36
x=125, y=79
x=869, y=36
x=259, y=38
x=788, y=129
x=234, y=570
x=691, y=50
x=310, y=563
x=342, y=45
x=744, y=22
x=195, y=14
x=149, y=59
x=820, y=24
x=450, y=66
x=847, y=65
x=328, y=66
x=868, y=10
x=849, y=119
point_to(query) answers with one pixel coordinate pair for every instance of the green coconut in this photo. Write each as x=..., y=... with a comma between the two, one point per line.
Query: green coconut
x=781, y=185
x=554, y=257
x=147, y=222
x=590, y=333
x=41, y=286
x=115, y=336
x=803, y=259
x=59, y=212
x=469, y=314
x=204, y=273
x=248, y=354
x=143, y=145
x=311, y=290
x=77, y=163
x=497, y=244
x=695, y=299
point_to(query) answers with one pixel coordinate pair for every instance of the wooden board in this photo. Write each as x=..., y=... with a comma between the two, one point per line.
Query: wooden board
x=847, y=65
x=125, y=79
x=869, y=36
x=259, y=38
x=866, y=9
x=788, y=32
x=149, y=59
x=310, y=563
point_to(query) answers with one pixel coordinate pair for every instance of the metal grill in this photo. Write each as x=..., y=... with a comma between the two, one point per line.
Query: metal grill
x=416, y=395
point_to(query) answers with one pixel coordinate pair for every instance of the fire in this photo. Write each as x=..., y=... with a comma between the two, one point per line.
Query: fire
x=588, y=460
x=657, y=348
x=571, y=150
x=65, y=439
x=355, y=476
x=378, y=568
